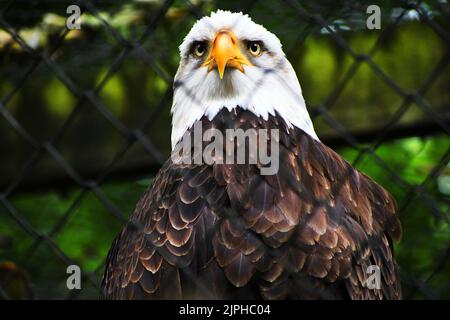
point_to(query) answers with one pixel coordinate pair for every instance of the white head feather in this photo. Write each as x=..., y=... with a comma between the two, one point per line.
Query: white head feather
x=270, y=85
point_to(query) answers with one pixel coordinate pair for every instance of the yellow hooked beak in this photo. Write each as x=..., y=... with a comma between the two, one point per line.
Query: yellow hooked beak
x=225, y=52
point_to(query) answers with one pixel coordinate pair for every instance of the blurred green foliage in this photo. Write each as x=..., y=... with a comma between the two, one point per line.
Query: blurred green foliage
x=426, y=235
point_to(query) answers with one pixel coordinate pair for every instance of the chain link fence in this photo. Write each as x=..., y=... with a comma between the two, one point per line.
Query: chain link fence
x=89, y=145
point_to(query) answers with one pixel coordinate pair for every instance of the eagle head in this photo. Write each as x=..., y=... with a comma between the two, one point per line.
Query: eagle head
x=229, y=61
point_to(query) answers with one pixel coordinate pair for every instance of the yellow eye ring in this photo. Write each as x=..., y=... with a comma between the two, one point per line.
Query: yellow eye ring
x=254, y=48
x=199, y=50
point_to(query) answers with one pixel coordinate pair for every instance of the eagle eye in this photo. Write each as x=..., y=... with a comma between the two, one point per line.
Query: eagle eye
x=255, y=48
x=199, y=49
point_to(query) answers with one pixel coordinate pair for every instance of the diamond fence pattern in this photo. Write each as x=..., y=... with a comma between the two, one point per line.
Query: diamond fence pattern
x=143, y=46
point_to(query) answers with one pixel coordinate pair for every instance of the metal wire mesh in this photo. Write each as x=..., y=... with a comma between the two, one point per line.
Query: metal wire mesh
x=144, y=47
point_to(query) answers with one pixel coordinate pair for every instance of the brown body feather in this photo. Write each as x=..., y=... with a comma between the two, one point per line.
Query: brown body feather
x=225, y=231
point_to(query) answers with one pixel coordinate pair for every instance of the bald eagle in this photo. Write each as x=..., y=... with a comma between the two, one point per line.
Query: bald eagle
x=316, y=228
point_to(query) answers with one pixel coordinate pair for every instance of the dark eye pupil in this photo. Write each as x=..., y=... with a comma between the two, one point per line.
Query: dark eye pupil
x=254, y=47
x=200, y=48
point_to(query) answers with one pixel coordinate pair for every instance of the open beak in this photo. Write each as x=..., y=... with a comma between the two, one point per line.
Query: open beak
x=225, y=52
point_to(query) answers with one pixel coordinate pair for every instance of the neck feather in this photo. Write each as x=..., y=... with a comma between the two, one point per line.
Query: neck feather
x=272, y=93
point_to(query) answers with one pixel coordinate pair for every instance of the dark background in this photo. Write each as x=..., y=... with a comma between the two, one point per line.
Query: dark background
x=85, y=122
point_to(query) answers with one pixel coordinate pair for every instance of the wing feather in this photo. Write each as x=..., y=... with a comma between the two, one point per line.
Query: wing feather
x=223, y=230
